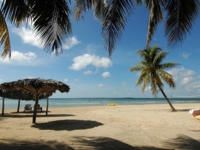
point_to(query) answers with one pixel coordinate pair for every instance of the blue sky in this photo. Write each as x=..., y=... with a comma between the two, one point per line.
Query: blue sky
x=85, y=66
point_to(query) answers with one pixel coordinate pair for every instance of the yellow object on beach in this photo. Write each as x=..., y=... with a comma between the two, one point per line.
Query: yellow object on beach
x=197, y=117
x=112, y=104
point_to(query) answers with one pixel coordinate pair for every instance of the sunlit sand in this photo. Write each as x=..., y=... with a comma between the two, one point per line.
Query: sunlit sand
x=103, y=127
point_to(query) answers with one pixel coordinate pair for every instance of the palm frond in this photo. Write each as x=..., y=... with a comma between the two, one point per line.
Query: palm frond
x=139, y=2
x=81, y=6
x=51, y=22
x=155, y=17
x=146, y=80
x=16, y=11
x=155, y=81
x=136, y=68
x=116, y=15
x=181, y=15
x=166, y=77
x=141, y=78
x=159, y=58
x=4, y=37
x=168, y=65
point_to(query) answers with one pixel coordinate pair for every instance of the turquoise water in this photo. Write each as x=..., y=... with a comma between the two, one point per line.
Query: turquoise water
x=77, y=102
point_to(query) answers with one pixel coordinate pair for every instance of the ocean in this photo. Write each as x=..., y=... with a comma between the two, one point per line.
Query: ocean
x=79, y=102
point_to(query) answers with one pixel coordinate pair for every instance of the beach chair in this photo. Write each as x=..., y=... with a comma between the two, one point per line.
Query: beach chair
x=39, y=108
x=27, y=107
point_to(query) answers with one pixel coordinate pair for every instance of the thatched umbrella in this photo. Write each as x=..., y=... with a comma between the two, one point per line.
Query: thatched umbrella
x=37, y=87
x=20, y=95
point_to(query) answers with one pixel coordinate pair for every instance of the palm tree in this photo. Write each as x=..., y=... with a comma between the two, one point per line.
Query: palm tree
x=152, y=71
x=50, y=20
x=180, y=16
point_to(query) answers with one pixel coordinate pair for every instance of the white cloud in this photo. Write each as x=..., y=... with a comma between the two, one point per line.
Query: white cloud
x=81, y=62
x=70, y=42
x=65, y=80
x=123, y=83
x=106, y=74
x=186, y=80
x=27, y=35
x=178, y=73
x=185, y=55
x=19, y=58
x=87, y=72
x=100, y=85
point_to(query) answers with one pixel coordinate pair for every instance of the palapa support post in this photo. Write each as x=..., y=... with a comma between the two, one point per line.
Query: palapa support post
x=2, y=106
x=18, y=105
x=35, y=107
x=47, y=106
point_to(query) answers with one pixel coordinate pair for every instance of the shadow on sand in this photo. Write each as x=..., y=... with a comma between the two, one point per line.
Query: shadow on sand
x=97, y=143
x=183, y=142
x=104, y=143
x=67, y=125
x=33, y=145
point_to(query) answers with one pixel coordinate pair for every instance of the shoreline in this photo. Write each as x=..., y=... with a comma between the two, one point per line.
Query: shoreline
x=129, y=127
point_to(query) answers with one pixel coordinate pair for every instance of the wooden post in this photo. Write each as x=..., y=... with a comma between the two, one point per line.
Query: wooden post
x=2, y=106
x=47, y=106
x=18, y=105
x=35, y=107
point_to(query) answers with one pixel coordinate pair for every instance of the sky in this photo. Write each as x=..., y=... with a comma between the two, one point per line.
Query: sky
x=87, y=68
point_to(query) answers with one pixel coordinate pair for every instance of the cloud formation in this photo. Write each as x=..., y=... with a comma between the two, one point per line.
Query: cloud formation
x=100, y=85
x=186, y=80
x=106, y=74
x=81, y=62
x=65, y=80
x=70, y=42
x=29, y=37
x=185, y=55
x=19, y=58
x=87, y=72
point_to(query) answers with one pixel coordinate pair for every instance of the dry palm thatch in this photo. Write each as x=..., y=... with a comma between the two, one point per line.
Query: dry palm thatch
x=20, y=95
x=37, y=87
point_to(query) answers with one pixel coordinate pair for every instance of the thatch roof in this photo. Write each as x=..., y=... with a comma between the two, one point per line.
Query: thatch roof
x=18, y=94
x=37, y=87
x=42, y=86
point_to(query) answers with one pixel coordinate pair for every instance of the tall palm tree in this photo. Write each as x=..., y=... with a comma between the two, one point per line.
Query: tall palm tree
x=152, y=71
x=180, y=16
x=50, y=20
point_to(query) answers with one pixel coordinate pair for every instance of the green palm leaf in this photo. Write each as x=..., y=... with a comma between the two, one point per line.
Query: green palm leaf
x=4, y=35
x=181, y=15
x=116, y=15
x=51, y=22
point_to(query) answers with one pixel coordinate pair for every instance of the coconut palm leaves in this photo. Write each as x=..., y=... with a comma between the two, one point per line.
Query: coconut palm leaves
x=180, y=16
x=152, y=71
x=50, y=20
x=4, y=35
x=113, y=14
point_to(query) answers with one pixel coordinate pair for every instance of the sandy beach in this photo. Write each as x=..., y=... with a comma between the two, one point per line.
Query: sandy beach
x=130, y=127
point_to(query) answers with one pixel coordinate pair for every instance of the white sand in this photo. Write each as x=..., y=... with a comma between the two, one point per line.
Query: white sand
x=132, y=127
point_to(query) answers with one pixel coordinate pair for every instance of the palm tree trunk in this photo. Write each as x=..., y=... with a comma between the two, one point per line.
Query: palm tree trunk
x=173, y=109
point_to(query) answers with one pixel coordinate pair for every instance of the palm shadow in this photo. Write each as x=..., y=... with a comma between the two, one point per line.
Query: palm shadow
x=183, y=110
x=104, y=143
x=67, y=125
x=32, y=145
x=183, y=142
